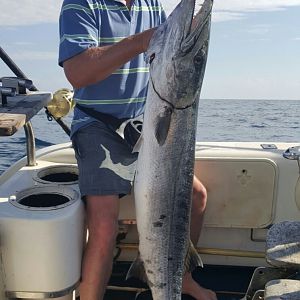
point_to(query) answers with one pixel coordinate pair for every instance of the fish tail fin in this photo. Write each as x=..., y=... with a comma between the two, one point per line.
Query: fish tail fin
x=192, y=259
x=137, y=270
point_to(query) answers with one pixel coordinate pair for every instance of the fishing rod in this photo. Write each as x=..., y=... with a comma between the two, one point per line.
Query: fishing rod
x=18, y=72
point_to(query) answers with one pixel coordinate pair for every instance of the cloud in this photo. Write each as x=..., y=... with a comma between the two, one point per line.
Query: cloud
x=28, y=55
x=253, y=5
x=219, y=16
x=29, y=12
x=259, y=29
x=225, y=10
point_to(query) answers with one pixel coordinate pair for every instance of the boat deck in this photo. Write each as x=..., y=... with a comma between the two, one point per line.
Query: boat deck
x=230, y=283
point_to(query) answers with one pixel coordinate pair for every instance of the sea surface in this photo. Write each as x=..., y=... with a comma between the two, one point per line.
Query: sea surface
x=218, y=120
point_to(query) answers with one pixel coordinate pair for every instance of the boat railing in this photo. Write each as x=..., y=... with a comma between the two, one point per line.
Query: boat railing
x=16, y=111
x=19, y=102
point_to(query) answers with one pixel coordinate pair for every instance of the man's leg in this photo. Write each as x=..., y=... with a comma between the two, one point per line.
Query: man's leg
x=101, y=181
x=199, y=198
x=102, y=223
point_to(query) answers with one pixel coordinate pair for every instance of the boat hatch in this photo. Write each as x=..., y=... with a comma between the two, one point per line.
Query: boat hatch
x=63, y=174
x=44, y=198
x=241, y=192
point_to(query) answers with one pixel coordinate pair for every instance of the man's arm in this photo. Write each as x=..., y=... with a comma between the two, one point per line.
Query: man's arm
x=97, y=63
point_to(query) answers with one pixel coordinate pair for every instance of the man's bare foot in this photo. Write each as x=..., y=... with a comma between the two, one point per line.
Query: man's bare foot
x=192, y=288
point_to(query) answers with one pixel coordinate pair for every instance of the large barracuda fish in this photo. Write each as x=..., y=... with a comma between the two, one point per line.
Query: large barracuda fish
x=164, y=178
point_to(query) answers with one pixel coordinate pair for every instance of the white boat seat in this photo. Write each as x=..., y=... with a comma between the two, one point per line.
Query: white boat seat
x=283, y=245
x=282, y=289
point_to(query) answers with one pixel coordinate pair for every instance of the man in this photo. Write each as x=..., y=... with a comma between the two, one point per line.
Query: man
x=102, y=45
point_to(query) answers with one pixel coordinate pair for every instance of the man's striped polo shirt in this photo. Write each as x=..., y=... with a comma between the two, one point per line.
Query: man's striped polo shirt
x=93, y=23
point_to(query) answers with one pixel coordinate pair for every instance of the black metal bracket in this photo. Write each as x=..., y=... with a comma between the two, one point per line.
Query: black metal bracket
x=6, y=92
x=12, y=86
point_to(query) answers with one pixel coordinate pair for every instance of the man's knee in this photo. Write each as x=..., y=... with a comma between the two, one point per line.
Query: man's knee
x=199, y=196
x=102, y=217
x=104, y=230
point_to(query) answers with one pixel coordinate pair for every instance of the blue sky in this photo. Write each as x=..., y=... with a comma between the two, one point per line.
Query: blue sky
x=254, y=50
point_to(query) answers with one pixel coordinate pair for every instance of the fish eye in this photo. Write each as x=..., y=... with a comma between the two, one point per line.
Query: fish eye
x=198, y=60
x=199, y=57
x=152, y=56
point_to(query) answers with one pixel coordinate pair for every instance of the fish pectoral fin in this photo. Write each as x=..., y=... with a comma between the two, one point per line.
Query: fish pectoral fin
x=163, y=125
x=192, y=259
x=137, y=270
x=137, y=146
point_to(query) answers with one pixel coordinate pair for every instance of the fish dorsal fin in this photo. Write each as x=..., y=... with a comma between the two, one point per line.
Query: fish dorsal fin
x=137, y=270
x=163, y=125
x=192, y=259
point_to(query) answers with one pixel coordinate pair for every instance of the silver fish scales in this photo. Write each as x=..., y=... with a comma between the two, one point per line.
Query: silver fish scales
x=163, y=184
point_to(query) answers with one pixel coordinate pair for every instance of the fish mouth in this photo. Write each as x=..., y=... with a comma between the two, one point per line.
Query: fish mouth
x=178, y=54
x=197, y=25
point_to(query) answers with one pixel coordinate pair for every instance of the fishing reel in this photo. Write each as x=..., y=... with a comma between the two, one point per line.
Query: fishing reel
x=61, y=104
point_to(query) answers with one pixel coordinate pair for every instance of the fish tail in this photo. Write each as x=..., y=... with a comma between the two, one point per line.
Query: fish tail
x=192, y=259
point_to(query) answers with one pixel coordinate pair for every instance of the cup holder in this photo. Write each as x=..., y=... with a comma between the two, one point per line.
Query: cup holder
x=64, y=174
x=44, y=198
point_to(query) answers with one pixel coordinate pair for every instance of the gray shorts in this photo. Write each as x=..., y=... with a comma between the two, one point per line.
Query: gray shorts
x=106, y=163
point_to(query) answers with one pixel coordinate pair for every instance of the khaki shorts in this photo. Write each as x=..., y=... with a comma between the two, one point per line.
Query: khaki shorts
x=105, y=160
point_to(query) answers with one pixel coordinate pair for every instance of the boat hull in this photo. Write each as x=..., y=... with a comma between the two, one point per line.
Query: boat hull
x=250, y=187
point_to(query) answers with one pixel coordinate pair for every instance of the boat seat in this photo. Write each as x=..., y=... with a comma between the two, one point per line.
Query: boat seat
x=282, y=289
x=283, y=245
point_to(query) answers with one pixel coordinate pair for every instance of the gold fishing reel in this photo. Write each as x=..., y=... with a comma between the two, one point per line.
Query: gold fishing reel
x=61, y=104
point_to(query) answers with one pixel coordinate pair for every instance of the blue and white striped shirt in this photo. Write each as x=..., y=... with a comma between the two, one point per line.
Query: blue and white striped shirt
x=93, y=23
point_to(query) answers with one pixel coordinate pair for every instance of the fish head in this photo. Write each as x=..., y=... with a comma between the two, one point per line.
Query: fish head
x=177, y=54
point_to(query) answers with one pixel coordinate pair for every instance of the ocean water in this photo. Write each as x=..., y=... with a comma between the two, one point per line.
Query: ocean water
x=218, y=120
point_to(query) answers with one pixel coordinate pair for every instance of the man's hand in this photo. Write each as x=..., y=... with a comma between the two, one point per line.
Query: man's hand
x=146, y=37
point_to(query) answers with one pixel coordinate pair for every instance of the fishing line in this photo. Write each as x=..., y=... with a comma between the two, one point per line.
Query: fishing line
x=168, y=102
